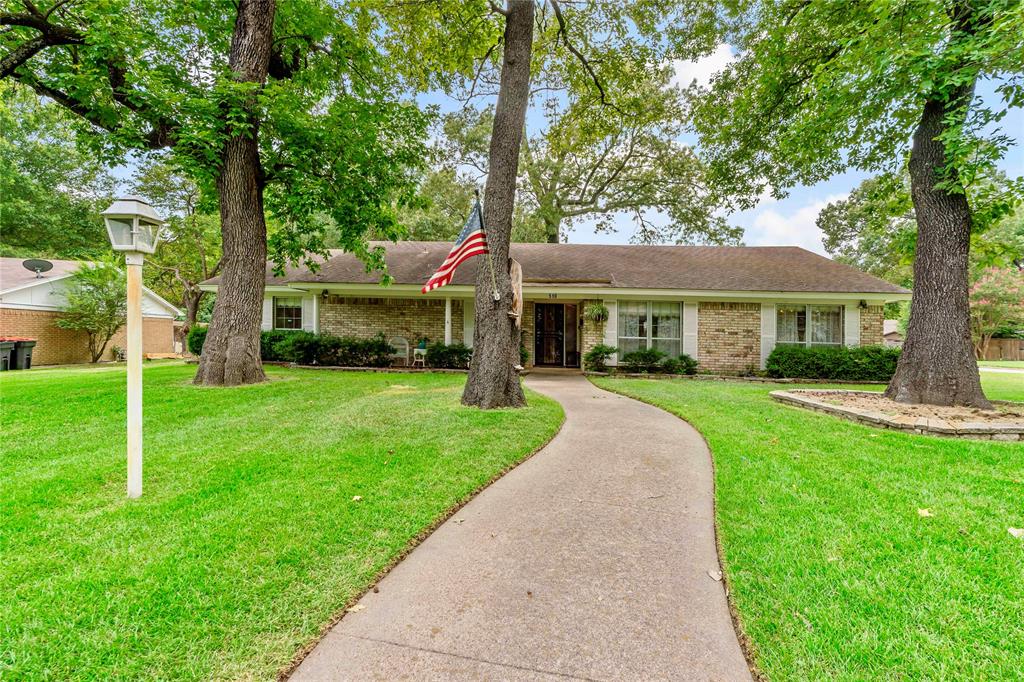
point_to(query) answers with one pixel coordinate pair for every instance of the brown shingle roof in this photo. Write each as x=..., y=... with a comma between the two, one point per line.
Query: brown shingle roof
x=709, y=268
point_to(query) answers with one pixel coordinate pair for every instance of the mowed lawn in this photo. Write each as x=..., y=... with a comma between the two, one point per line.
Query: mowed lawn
x=835, y=574
x=248, y=538
x=1011, y=364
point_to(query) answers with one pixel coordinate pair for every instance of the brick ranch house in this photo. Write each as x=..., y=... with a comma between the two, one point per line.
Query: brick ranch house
x=29, y=305
x=726, y=306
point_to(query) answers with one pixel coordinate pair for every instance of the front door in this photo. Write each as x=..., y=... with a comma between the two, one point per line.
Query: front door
x=549, y=334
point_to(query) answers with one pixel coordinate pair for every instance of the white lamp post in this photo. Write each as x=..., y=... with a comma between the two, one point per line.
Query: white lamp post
x=134, y=227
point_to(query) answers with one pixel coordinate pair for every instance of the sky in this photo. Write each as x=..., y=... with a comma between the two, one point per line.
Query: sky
x=786, y=222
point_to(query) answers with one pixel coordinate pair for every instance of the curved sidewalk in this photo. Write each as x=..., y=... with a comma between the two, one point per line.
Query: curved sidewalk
x=588, y=561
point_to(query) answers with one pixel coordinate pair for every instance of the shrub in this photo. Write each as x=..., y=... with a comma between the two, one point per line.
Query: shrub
x=645, y=360
x=304, y=348
x=524, y=355
x=454, y=356
x=273, y=344
x=596, y=359
x=375, y=352
x=195, y=340
x=838, y=363
x=687, y=365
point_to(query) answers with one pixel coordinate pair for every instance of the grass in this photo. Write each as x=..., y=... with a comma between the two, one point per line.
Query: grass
x=247, y=539
x=1013, y=364
x=834, y=573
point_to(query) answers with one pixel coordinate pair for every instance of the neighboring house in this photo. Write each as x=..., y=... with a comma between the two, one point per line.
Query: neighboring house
x=891, y=333
x=727, y=306
x=30, y=303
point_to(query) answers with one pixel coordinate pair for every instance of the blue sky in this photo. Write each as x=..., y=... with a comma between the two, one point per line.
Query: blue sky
x=787, y=222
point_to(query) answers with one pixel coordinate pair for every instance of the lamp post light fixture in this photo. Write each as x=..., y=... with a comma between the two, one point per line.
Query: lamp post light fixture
x=134, y=227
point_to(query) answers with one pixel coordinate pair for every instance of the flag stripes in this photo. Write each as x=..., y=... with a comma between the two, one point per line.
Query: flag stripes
x=471, y=242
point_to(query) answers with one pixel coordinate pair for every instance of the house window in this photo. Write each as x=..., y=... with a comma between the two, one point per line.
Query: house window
x=287, y=313
x=648, y=324
x=809, y=325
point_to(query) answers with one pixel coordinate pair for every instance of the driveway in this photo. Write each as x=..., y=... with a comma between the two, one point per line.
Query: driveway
x=589, y=561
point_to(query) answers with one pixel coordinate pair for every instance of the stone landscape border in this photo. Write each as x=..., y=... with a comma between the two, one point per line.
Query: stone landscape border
x=919, y=425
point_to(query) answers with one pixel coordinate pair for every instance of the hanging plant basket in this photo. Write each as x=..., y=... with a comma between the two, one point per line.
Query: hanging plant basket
x=596, y=312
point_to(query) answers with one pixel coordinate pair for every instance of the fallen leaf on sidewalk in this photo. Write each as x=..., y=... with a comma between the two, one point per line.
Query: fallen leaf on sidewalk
x=356, y=608
x=1016, y=532
x=715, y=575
x=925, y=512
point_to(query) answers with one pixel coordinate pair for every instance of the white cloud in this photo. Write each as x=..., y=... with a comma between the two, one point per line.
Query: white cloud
x=701, y=70
x=772, y=227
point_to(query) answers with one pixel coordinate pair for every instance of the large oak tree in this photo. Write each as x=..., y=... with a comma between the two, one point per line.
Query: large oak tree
x=279, y=108
x=595, y=51
x=821, y=86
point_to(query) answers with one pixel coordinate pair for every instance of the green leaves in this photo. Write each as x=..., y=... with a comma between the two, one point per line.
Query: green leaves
x=820, y=87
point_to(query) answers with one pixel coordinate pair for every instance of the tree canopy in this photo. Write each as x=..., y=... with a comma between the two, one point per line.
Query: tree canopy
x=51, y=190
x=96, y=304
x=821, y=87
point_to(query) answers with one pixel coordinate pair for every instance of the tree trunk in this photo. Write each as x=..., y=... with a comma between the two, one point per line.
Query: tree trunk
x=231, y=353
x=937, y=365
x=192, y=297
x=493, y=380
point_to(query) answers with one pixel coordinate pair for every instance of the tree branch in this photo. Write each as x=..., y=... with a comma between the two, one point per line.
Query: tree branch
x=579, y=55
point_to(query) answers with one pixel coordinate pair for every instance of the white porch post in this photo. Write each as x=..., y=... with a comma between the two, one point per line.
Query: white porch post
x=447, y=321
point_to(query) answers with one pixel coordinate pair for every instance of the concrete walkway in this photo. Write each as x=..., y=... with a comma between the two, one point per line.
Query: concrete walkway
x=589, y=561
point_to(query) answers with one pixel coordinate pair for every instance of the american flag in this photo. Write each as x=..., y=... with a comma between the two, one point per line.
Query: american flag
x=471, y=242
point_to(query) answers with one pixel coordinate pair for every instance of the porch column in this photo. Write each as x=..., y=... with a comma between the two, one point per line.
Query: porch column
x=447, y=321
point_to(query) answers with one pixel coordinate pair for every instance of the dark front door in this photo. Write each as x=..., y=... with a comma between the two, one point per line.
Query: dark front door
x=549, y=334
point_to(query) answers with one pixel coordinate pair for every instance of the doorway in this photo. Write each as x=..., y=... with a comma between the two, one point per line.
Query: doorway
x=555, y=335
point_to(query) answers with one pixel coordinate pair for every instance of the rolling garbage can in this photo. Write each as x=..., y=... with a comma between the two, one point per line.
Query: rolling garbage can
x=6, y=349
x=23, y=354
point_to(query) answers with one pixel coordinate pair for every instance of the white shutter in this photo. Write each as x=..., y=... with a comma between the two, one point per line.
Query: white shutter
x=690, y=329
x=268, y=314
x=468, y=312
x=851, y=330
x=767, y=331
x=308, y=314
x=611, y=328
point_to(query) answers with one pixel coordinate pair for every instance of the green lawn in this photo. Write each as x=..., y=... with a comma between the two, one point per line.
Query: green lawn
x=247, y=540
x=1003, y=386
x=834, y=573
x=1014, y=364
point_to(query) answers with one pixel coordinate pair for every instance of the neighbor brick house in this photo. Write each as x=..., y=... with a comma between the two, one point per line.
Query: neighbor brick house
x=727, y=306
x=31, y=303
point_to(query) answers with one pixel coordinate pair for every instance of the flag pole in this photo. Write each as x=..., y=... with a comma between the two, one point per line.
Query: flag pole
x=490, y=259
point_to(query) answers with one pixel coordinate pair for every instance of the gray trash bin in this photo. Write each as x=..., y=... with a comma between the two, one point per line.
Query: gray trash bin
x=6, y=350
x=23, y=354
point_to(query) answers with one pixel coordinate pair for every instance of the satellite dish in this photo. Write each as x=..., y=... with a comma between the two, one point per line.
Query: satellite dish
x=37, y=265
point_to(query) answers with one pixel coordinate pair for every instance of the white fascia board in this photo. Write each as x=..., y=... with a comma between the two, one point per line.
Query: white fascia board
x=162, y=301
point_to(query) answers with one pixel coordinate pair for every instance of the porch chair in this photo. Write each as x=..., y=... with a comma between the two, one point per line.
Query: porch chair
x=401, y=354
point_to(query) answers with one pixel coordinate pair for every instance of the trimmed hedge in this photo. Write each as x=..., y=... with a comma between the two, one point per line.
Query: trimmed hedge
x=454, y=356
x=837, y=363
x=654, y=361
x=307, y=348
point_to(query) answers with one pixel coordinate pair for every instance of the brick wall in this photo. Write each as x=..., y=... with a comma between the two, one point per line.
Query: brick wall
x=527, y=332
x=409, y=318
x=871, y=319
x=728, y=337
x=592, y=333
x=56, y=346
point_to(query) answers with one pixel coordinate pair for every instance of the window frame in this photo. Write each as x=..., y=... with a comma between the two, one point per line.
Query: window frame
x=647, y=341
x=807, y=311
x=274, y=315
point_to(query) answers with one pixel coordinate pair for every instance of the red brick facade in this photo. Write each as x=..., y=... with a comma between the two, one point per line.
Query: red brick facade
x=56, y=346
